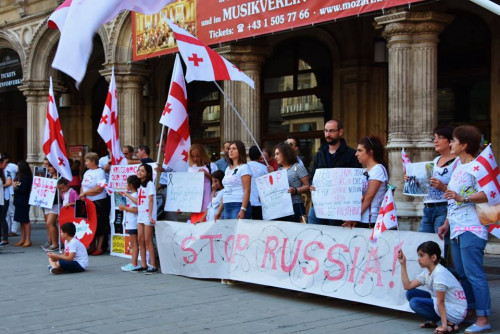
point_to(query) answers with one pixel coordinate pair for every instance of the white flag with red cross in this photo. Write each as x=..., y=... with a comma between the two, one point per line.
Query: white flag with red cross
x=405, y=159
x=53, y=139
x=203, y=63
x=108, y=125
x=175, y=114
x=485, y=170
x=78, y=22
x=177, y=151
x=387, y=217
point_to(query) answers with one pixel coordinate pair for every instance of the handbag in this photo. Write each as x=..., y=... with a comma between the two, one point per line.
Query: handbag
x=488, y=214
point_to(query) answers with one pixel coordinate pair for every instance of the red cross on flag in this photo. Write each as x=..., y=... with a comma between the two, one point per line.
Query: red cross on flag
x=405, y=158
x=387, y=217
x=53, y=139
x=177, y=151
x=78, y=22
x=203, y=63
x=174, y=114
x=485, y=170
x=108, y=125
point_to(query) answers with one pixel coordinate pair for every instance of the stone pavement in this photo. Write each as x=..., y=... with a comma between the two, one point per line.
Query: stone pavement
x=106, y=300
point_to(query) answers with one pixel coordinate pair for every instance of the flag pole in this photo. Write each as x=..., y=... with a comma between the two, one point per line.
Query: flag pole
x=242, y=121
x=59, y=213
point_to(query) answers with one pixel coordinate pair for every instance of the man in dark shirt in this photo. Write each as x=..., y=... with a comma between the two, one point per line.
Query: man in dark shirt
x=334, y=153
x=143, y=153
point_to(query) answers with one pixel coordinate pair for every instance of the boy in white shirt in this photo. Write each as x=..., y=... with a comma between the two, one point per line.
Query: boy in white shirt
x=74, y=259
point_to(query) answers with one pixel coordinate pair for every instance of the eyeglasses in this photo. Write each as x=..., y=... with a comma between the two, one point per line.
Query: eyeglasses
x=331, y=131
x=437, y=138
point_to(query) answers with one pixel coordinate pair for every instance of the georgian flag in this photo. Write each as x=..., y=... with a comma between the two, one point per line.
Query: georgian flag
x=78, y=22
x=387, y=217
x=175, y=114
x=177, y=152
x=203, y=63
x=485, y=170
x=405, y=159
x=53, y=139
x=108, y=125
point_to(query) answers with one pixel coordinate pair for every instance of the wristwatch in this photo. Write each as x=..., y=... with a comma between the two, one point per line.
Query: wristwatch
x=466, y=199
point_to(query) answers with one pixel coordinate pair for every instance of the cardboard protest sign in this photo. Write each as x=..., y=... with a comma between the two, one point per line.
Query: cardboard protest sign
x=43, y=192
x=85, y=228
x=274, y=196
x=184, y=192
x=338, y=193
x=418, y=182
x=324, y=260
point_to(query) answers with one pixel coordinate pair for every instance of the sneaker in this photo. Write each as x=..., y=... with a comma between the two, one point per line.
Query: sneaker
x=130, y=267
x=151, y=270
x=231, y=282
x=223, y=281
x=49, y=267
x=139, y=269
x=56, y=271
x=51, y=248
x=45, y=245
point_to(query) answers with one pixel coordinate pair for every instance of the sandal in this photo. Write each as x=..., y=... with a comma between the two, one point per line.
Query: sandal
x=428, y=324
x=454, y=327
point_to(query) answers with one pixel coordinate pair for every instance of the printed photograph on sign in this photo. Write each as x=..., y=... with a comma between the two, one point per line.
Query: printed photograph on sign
x=153, y=36
x=418, y=178
x=40, y=171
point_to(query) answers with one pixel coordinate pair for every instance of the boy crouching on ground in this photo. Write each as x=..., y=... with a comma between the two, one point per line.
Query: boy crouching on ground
x=74, y=259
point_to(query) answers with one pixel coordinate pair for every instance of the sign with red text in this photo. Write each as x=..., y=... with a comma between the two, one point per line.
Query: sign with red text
x=43, y=192
x=324, y=260
x=217, y=21
x=338, y=193
x=274, y=196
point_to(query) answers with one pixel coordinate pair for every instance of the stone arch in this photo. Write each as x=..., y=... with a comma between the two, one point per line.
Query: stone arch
x=9, y=40
x=120, y=44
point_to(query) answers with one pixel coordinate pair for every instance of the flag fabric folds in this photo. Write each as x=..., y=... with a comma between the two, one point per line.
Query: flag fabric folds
x=53, y=139
x=203, y=63
x=108, y=125
x=387, y=217
x=405, y=159
x=485, y=170
x=78, y=22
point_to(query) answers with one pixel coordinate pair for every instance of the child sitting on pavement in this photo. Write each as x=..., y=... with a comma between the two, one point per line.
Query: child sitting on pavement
x=74, y=259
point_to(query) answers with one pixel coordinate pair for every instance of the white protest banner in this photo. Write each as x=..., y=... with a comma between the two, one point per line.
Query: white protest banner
x=184, y=192
x=118, y=175
x=43, y=192
x=338, y=193
x=418, y=182
x=324, y=260
x=274, y=196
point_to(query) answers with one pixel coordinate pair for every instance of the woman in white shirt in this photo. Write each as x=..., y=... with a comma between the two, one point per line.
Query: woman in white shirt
x=91, y=189
x=371, y=154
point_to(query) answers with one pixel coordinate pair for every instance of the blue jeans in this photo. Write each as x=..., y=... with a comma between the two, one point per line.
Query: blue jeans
x=312, y=219
x=432, y=220
x=421, y=303
x=232, y=209
x=467, y=253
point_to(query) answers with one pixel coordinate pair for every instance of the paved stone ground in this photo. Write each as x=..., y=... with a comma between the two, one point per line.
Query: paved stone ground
x=106, y=300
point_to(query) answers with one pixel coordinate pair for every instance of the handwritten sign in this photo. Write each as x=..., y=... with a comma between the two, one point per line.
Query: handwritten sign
x=418, y=182
x=324, y=260
x=184, y=192
x=43, y=192
x=274, y=196
x=338, y=193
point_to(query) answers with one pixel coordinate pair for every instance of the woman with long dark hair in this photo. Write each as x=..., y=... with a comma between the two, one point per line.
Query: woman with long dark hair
x=4, y=227
x=22, y=189
x=371, y=154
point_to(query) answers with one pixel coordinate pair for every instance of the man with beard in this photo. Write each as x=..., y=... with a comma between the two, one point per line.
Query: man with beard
x=334, y=153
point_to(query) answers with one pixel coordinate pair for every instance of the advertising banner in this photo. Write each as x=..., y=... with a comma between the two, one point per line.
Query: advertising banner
x=217, y=21
x=324, y=260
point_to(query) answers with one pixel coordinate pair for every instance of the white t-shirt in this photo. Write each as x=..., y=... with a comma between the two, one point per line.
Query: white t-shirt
x=378, y=173
x=454, y=299
x=233, y=187
x=213, y=206
x=91, y=179
x=12, y=170
x=1, y=193
x=75, y=246
x=258, y=170
x=463, y=217
x=443, y=174
x=143, y=203
x=103, y=162
x=131, y=217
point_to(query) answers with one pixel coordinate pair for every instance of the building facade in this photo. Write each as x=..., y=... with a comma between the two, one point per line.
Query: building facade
x=397, y=74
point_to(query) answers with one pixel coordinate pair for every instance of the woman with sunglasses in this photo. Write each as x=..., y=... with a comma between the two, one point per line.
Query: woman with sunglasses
x=371, y=154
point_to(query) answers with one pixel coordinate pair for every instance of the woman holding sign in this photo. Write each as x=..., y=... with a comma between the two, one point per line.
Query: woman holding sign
x=199, y=162
x=371, y=154
x=237, y=182
x=298, y=179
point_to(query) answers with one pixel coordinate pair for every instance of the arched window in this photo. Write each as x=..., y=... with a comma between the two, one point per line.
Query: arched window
x=296, y=99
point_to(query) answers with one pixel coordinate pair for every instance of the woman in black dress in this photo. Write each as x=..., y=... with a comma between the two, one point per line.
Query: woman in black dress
x=22, y=189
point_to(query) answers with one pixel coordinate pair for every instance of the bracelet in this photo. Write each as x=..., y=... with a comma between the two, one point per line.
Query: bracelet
x=244, y=209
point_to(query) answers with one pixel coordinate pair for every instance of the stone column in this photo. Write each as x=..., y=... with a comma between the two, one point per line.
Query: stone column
x=249, y=59
x=412, y=111
x=130, y=80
